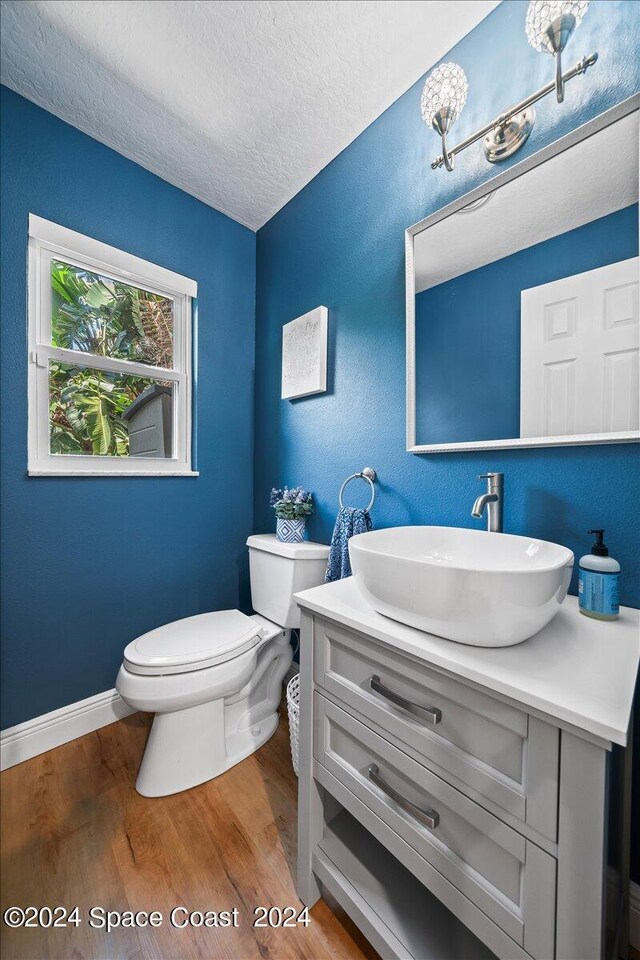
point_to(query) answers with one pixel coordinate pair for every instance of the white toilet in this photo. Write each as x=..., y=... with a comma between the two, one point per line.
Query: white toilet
x=214, y=681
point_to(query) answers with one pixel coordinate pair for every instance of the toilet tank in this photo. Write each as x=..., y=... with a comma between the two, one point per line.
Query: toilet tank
x=278, y=571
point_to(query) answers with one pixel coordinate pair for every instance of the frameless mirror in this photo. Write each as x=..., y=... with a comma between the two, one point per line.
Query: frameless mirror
x=522, y=302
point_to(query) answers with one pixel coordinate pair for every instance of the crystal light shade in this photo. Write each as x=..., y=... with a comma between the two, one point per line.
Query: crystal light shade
x=445, y=90
x=542, y=14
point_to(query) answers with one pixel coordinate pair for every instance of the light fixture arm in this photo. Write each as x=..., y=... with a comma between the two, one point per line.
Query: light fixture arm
x=555, y=38
x=448, y=159
x=441, y=123
x=559, y=78
x=556, y=85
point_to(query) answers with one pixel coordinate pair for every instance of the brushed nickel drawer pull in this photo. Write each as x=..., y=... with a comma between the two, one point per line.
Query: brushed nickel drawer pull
x=430, y=818
x=432, y=715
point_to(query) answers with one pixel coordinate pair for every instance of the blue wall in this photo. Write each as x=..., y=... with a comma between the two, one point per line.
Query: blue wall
x=88, y=564
x=340, y=242
x=469, y=328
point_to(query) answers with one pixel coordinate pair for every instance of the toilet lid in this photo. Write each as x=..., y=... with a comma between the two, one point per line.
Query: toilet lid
x=193, y=643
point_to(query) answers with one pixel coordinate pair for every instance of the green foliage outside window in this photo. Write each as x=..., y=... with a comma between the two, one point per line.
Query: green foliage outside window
x=100, y=316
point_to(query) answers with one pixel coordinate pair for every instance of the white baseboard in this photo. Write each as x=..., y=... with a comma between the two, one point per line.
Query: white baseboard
x=36, y=736
x=28, y=739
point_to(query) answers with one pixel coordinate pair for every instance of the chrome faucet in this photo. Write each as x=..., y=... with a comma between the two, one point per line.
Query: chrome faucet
x=492, y=500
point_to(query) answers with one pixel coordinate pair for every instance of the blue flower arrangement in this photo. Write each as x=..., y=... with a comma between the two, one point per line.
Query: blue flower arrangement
x=294, y=504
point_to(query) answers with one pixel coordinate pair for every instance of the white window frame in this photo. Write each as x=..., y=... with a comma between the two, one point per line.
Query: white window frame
x=47, y=241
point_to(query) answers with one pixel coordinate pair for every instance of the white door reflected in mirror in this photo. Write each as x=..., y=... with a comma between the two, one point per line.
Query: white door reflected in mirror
x=579, y=353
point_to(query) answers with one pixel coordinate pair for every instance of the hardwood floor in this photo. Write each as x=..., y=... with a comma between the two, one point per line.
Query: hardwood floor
x=75, y=833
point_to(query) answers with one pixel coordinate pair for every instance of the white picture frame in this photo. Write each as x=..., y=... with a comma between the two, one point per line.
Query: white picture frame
x=304, y=355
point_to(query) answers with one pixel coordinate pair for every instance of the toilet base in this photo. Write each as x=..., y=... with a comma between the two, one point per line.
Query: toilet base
x=184, y=748
x=175, y=759
x=190, y=746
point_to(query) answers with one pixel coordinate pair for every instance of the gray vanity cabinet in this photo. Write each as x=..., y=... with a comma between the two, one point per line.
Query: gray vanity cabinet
x=448, y=820
x=496, y=752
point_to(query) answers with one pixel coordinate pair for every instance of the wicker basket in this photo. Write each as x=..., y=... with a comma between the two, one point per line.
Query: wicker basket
x=293, y=708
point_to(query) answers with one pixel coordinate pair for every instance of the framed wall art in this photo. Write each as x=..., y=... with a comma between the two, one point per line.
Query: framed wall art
x=304, y=355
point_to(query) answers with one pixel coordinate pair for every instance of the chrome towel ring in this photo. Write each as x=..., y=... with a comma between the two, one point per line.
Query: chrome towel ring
x=367, y=474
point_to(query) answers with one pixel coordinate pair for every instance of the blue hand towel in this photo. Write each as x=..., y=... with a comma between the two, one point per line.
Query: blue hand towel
x=350, y=520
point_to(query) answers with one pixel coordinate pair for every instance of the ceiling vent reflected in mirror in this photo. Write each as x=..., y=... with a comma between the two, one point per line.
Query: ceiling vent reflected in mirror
x=548, y=25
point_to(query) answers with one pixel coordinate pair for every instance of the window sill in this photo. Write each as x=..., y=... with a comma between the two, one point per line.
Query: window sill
x=46, y=472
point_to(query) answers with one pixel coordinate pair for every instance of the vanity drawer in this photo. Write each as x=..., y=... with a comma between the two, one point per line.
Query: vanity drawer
x=484, y=746
x=507, y=877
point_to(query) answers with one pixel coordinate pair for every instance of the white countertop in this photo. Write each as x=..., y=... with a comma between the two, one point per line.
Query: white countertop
x=576, y=670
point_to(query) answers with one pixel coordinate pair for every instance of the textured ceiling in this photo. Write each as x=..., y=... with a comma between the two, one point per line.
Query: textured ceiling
x=238, y=102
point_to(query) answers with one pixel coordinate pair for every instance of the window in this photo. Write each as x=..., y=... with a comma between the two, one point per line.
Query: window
x=110, y=357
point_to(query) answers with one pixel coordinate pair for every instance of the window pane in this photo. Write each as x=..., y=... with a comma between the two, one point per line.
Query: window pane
x=98, y=315
x=108, y=414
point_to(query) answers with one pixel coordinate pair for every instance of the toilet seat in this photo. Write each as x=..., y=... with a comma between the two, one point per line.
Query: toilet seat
x=193, y=643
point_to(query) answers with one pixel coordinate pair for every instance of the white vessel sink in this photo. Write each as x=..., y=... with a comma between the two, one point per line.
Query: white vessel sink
x=485, y=589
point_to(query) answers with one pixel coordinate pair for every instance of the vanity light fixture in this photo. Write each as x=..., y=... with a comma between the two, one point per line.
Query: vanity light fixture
x=443, y=99
x=549, y=24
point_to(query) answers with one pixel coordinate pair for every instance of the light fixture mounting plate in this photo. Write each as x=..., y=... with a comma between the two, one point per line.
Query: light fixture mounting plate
x=506, y=139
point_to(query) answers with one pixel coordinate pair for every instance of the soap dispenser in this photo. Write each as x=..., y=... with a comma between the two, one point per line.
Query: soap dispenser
x=598, y=582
